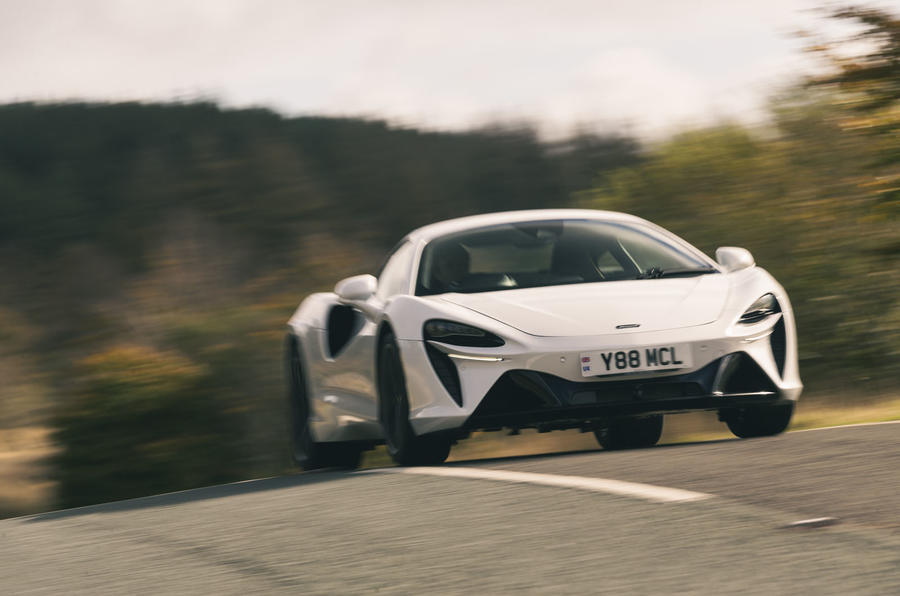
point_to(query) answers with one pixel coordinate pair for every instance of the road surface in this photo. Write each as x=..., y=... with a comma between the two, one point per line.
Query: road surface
x=576, y=523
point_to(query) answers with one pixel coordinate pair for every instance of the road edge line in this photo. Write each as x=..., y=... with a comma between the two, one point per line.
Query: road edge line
x=806, y=430
x=648, y=492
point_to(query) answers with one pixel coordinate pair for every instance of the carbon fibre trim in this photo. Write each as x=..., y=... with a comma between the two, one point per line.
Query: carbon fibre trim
x=587, y=417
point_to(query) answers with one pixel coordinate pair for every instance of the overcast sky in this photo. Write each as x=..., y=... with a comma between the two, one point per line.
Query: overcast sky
x=647, y=66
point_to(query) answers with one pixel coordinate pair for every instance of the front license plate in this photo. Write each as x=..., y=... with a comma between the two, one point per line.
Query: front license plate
x=633, y=359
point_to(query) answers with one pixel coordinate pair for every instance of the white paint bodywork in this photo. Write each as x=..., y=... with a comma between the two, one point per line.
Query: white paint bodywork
x=545, y=330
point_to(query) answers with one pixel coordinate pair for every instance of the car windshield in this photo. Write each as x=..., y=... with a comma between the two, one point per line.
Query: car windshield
x=549, y=253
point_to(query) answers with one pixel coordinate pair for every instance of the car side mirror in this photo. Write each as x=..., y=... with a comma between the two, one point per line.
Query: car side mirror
x=733, y=258
x=358, y=287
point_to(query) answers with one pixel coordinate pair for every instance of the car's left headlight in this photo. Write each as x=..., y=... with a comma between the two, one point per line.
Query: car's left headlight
x=459, y=334
x=765, y=306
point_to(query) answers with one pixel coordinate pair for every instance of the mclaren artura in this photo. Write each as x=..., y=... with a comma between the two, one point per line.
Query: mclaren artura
x=553, y=319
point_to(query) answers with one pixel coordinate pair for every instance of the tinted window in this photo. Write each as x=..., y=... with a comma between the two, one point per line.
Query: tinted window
x=394, y=276
x=547, y=253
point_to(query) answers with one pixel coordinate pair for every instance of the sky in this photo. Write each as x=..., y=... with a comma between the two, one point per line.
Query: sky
x=646, y=67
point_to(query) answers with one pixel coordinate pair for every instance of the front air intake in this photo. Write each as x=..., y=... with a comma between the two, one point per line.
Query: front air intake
x=743, y=375
x=446, y=372
x=778, y=340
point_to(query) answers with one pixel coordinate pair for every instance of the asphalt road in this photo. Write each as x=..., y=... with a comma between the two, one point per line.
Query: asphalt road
x=386, y=532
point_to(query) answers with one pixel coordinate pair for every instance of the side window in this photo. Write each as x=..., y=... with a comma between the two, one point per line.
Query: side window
x=394, y=278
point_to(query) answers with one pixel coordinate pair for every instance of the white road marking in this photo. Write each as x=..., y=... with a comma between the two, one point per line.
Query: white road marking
x=815, y=522
x=807, y=430
x=649, y=492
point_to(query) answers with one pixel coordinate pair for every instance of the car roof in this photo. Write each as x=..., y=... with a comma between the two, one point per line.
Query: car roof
x=460, y=224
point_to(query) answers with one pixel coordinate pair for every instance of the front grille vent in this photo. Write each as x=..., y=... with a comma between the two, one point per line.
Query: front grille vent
x=446, y=372
x=745, y=376
x=779, y=346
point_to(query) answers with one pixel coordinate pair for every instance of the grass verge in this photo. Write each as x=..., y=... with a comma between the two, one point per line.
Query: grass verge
x=24, y=484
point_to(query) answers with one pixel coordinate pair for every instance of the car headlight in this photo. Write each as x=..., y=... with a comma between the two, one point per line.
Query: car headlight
x=765, y=306
x=459, y=334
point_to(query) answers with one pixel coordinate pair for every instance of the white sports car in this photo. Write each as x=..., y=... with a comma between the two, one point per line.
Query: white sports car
x=549, y=319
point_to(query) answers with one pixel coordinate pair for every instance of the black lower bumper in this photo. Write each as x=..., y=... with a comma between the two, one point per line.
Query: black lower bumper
x=529, y=399
x=587, y=416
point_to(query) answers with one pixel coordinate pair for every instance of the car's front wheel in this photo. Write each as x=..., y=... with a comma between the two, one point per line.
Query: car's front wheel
x=759, y=421
x=403, y=445
x=306, y=452
x=630, y=433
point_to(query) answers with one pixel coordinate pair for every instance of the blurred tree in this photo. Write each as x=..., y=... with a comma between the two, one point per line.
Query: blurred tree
x=864, y=78
x=23, y=393
x=140, y=422
x=586, y=155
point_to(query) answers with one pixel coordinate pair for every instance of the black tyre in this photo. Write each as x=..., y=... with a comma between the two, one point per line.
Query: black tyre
x=759, y=421
x=403, y=445
x=307, y=453
x=631, y=433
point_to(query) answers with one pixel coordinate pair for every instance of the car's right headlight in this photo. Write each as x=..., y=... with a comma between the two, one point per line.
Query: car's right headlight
x=765, y=306
x=459, y=334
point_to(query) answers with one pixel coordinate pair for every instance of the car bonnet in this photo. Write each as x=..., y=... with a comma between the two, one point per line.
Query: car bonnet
x=604, y=307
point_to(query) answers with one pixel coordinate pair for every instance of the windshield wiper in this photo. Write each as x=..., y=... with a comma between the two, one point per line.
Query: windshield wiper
x=656, y=272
